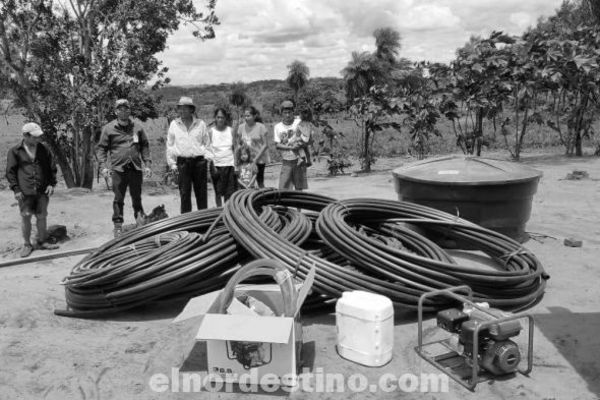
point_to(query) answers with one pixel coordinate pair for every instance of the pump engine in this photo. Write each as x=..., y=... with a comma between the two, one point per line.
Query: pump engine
x=497, y=354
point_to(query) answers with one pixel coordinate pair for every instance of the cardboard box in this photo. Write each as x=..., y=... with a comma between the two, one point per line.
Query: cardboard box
x=244, y=347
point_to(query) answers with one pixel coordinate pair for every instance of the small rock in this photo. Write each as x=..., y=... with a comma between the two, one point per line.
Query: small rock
x=572, y=242
x=577, y=175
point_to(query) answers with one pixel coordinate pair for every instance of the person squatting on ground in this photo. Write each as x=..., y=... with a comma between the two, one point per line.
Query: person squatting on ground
x=221, y=154
x=31, y=174
x=254, y=134
x=187, y=141
x=247, y=170
x=293, y=170
x=125, y=141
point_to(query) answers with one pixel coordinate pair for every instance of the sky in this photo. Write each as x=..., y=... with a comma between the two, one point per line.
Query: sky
x=258, y=39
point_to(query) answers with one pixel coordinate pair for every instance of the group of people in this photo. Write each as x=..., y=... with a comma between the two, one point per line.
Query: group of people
x=234, y=156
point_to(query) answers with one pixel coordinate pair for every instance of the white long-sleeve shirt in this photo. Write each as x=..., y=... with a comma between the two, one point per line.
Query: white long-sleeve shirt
x=220, y=149
x=183, y=142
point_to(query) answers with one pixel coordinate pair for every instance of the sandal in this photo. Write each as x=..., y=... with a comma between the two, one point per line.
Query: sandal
x=26, y=250
x=46, y=246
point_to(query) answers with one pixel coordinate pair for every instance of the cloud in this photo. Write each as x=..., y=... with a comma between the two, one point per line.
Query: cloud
x=522, y=20
x=427, y=17
x=257, y=39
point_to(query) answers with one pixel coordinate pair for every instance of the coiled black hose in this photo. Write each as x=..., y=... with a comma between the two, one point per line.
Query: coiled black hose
x=359, y=244
x=400, y=275
x=519, y=280
x=157, y=262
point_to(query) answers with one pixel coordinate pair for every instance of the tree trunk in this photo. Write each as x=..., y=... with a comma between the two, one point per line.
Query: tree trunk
x=75, y=159
x=87, y=164
x=578, y=144
x=478, y=130
x=519, y=143
x=61, y=160
x=579, y=128
x=366, y=161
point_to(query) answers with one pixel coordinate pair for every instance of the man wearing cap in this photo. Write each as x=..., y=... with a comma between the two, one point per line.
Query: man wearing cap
x=187, y=140
x=293, y=172
x=127, y=144
x=31, y=174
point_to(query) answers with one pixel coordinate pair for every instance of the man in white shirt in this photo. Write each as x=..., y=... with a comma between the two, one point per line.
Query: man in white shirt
x=293, y=173
x=187, y=139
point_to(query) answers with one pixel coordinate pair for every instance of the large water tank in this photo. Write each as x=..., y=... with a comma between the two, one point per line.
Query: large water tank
x=493, y=193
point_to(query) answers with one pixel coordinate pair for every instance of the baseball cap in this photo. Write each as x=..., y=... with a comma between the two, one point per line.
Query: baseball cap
x=186, y=101
x=287, y=105
x=33, y=129
x=122, y=103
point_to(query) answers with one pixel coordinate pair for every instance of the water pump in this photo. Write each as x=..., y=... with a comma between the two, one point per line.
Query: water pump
x=497, y=354
x=482, y=343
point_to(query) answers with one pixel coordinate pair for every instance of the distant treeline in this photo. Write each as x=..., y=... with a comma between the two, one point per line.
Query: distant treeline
x=266, y=94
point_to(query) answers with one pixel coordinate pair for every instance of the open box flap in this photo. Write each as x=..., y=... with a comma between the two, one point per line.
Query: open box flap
x=270, y=294
x=245, y=328
x=208, y=303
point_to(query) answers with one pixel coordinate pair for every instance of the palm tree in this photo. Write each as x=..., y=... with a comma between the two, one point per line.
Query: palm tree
x=298, y=77
x=239, y=99
x=362, y=72
x=387, y=43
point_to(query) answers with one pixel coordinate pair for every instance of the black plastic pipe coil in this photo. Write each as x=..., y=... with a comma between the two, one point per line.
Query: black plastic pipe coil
x=358, y=244
x=161, y=262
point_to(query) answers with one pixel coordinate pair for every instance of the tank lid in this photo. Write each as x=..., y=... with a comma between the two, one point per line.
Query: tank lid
x=465, y=170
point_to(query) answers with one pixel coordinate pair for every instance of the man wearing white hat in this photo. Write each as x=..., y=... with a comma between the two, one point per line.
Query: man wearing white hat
x=127, y=144
x=31, y=174
x=187, y=141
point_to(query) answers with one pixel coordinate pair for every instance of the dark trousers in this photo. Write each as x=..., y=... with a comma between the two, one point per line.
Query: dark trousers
x=260, y=175
x=224, y=183
x=131, y=178
x=192, y=173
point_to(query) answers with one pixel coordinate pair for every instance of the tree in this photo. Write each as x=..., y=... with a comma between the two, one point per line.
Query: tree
x=567, y=47
x=419, y=106
x=298, y=77
x=372, y=113
x=371, y=102
x=387, y=43
x=239, y=99
x=362, y=72
x=321, y=99
x=67, y=62
x=477, y=85
x=525, y=85
x=366, y=69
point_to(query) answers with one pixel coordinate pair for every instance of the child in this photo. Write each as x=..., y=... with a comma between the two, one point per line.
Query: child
x=304, y=130
x=247, y=168
x=298, y=137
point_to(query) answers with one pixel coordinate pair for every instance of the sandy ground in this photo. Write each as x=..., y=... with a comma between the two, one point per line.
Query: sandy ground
x=43, y=356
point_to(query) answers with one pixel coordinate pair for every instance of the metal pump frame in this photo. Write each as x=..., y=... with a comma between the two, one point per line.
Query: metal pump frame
x=475, y=370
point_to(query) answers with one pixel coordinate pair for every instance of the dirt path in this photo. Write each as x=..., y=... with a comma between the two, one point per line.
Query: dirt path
x=48, y=357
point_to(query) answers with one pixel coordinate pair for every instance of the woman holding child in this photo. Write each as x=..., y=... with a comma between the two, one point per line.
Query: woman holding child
x=253, y=134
